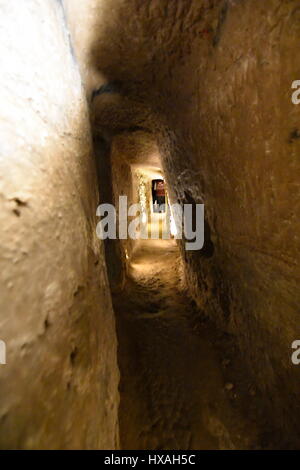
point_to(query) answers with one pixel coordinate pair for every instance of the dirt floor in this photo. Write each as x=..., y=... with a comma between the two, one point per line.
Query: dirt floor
x=181, y=385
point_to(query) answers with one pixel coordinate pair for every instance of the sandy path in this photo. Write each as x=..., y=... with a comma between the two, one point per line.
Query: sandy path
x=172, y=389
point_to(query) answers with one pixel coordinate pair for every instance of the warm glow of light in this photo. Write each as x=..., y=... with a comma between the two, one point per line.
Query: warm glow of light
x=144, y=217
x=173, y=227
x=142, y=193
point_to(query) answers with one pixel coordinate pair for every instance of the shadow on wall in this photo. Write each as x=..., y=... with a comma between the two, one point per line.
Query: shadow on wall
x=208, y=248
x=113, y=253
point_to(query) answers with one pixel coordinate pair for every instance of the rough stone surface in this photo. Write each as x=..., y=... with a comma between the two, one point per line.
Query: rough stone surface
x=212, y=80
x=59, y=386
x=208, y=83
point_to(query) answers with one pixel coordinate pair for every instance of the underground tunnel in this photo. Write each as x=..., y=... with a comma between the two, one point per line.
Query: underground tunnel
x=149, y=190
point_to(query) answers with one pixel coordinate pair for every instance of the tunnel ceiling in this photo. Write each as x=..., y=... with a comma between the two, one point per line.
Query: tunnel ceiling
x=156, y=36
x=137, y=148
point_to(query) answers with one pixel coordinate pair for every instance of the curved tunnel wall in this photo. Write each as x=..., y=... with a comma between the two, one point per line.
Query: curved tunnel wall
x=56, y=313
x=215, y=82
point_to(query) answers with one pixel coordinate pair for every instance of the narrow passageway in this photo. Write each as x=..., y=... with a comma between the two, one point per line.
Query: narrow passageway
x=173, y=391
x=119, y=116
